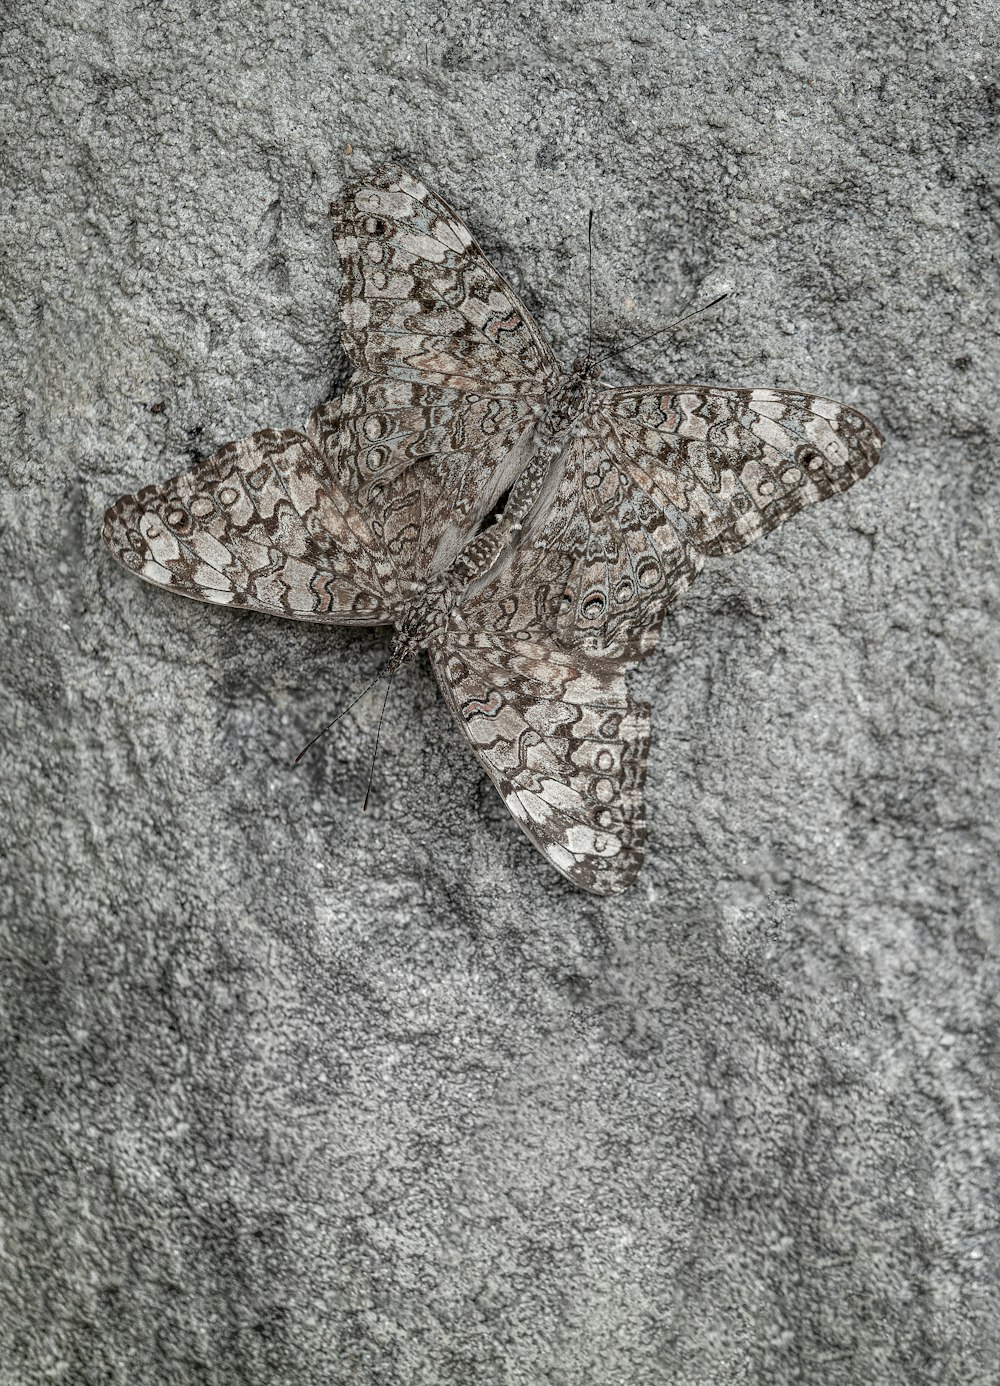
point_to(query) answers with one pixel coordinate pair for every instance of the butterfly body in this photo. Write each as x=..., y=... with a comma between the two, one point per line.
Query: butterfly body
x=525, y=525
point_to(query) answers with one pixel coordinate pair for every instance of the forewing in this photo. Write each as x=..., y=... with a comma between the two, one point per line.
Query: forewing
x=259, y=524
x=738, y=463
x=655, y=481
x=565, y=745
x=420, y=300
x=450, y=369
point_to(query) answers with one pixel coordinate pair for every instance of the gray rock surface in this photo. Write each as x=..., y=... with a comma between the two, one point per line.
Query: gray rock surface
x=296, y=1094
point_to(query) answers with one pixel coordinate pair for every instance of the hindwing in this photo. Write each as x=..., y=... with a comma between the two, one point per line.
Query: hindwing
x=564, y=743
x=260, y=524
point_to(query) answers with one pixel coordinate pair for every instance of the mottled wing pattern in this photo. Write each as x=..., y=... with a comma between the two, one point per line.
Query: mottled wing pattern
x=654, y=481
x=532, y=632
x=564, y=744
x=590, y=558
x=420, y=299
x=450, y=370
x=658, y=479
x=744, y=460
x=259, y=524
x=323, y=431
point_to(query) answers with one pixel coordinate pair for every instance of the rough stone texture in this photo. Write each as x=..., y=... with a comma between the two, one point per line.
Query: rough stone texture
x=296, y=1094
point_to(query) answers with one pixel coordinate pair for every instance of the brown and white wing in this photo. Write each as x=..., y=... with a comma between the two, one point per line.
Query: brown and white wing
x=259, y=524
x=564, y=743
x=657, y=480
x=450, y=369
x=739, y=463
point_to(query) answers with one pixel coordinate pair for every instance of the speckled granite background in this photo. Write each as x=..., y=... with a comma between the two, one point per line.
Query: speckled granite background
x=293, y=1094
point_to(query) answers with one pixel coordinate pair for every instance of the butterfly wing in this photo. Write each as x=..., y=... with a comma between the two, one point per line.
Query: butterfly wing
x=563, y=742
x=746, y=460
x=653, y=482
x=658, y=479
x=259, y=524
x=450, y=369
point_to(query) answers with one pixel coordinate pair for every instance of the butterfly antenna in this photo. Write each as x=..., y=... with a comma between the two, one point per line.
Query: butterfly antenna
x=660, y=331
x=309, y=744
x=590, y=280
x=378, y=733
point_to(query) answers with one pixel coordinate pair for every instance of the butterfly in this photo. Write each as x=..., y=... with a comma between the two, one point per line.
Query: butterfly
x=524, y=524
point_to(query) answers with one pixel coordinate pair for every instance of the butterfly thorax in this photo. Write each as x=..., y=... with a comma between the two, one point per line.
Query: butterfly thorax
x=571, y=398
x=424, y=620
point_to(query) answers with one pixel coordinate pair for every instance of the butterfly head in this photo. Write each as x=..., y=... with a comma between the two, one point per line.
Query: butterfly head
x=415, y=630
x=404, y=651
x=585, y=367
